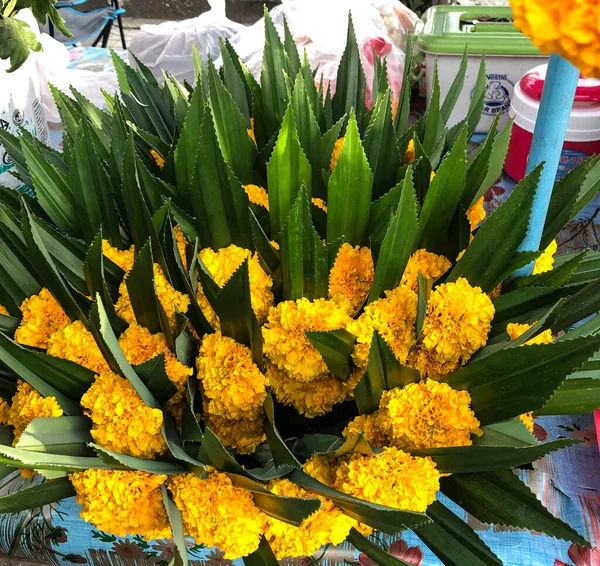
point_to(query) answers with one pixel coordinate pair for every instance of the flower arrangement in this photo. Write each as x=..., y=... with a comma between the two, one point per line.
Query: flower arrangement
x=275, y=319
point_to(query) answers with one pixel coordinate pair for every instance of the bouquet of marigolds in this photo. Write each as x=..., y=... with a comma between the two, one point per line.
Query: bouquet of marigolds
x=271, y=318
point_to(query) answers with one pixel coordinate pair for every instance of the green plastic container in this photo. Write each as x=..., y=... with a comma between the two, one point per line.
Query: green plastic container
x=445, y=33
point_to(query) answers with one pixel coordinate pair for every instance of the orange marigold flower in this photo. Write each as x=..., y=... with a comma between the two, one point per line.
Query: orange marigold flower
x=430, y=265
x=335, y=154
x=476, y=214
x=352, y=275
x=257, y=195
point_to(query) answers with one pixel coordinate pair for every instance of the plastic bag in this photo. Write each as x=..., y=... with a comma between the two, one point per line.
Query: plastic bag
x=20, y=105
x=320, y=27
x=168, y=46
x=53, y=67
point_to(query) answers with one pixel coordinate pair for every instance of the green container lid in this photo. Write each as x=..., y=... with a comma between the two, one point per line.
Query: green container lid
x=479, y=29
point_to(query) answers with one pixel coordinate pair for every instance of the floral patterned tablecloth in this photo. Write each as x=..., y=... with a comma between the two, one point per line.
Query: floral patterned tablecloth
x=568, y=482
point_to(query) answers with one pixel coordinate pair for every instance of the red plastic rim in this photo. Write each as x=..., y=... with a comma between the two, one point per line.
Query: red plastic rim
x=532, y=85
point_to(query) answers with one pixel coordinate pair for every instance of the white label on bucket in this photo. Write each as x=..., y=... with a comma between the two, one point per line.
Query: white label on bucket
x=498, y=91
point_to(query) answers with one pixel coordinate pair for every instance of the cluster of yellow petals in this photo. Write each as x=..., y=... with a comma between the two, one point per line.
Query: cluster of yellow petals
x=257, y=195
x=181, y=244
x=139, y=345
x=251, y=131
x=335, y=154
x=456, y=325
x=430, y=265
x=232, y=383
x=123, y=503
x=368, y=426
x=42, y=316
x=392, y=478
x=409, y=156
x=319, y=203
x=76, y=343
x=123, y=258
x=327, y=525
x=223, y=263
x=567, y=28
x=4, y=310
x=427, y=414
x=121, y=421
x=27, y=404
x=285, y=342
x=158, y=158
x=352, y=275
x=515, y=330
x=170, y=299
x=217, y=513
x=312, y=398
x=394, y=318
x=476, y=214
x=546, y=261
x=527, y=420
x=241, y=435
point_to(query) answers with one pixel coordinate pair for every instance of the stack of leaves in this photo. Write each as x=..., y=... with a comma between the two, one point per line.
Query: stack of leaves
x=276, y=319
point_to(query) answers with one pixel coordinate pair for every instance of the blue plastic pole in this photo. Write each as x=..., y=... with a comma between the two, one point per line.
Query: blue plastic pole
x=548, y=138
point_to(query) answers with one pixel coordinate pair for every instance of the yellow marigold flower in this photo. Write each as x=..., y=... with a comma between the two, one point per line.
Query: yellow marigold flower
x=456, y=325
x=4, y=311
x=409, y=156
x=121, y=421
x=567, y=28
x=327, y=525
x=122, y=258
x=4, y=412
x=123, y=503
x=319, y=203
x=28, y=404
x=251, y=131
x=322, y=468
x=368, y=426
x=217, y=513
x=206, y=308
x=335, y=154
x=75, y=342
x=527, y=420
x=352, y=275
x=157, y=158
x=242, y=435
x=476, y=214
x=430, y=265
x=313, y=398
x=392, y=478
x=257, y=195
x=427, y=414
x=42, y=316
x=181, y=244
x=231, y=381
x=224, y=263
x=171, y=299
x=394, y=318
x=516, y=330
x=139, y=345
x=546, y=261
x=285, y=342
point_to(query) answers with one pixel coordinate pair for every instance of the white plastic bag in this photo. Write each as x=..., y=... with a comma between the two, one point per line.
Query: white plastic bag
x=168, y=46
x=320, y=28
x=20, y=104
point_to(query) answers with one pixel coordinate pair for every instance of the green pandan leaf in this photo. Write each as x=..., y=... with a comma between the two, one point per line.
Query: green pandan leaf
x=372, y=550
x=93, y=271
x=335, y=347
x=262, y=556
x=517, y=380
x=154, y=375
x=453, y=541
x=304, y=258
x=349, y=191
x=574, y=397
x=508, y=224
x=399, y=243
x=151, y=466
x=63, y=435
x=37, y=496
x=287, y=170
x=176, y=522
x=501, y=498
x=350, y=84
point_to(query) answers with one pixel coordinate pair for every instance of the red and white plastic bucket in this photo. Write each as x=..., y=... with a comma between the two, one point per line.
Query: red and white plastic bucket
x=583, y=133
